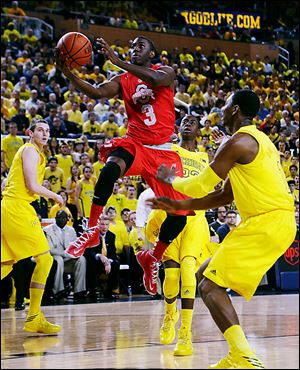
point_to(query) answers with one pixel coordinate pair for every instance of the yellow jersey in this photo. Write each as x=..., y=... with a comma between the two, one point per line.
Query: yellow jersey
x=193, y=164
x=122, y=236
x=10, y=145
x=98, y=167
x=117, y=201
x=65, y=163
x=16, y=185
x=260, y=186
x=86, y=197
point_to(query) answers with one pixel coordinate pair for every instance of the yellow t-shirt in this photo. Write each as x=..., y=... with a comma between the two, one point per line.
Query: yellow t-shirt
x=130, y=203
x=97, y=168
x=134, y=240
x=117, y=201
x=15, y=185
x=56, y=178
x=122, y=237
x=10, y=145
x=86, y=197
x=65, y=163
x=260, y=186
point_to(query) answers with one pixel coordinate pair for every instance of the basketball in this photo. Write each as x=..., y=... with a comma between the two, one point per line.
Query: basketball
x=77, y=48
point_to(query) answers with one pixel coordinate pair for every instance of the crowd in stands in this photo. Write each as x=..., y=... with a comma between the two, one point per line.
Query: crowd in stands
x=32, y=87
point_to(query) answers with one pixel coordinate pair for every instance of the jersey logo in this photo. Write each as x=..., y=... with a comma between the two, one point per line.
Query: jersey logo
x=142, y=94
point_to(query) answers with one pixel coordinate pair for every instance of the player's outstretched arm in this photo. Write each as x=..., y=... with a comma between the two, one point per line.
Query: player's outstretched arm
x=162, y=77
x=214, y=199
x=107, y=89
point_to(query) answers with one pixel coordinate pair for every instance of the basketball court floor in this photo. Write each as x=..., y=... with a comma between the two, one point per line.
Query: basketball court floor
x=125, y=334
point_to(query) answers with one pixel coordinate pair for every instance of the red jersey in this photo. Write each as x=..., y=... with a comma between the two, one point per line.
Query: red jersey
x=150, y=110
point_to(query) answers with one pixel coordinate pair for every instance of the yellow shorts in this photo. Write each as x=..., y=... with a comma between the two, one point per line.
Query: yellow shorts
x=192, y=241
x=21, y=233
x=249, y=250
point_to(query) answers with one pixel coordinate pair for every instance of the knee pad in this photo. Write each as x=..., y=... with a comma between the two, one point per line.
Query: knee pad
x=171, y=282
x=171, y=228
x=188, y=278
x=42, y=268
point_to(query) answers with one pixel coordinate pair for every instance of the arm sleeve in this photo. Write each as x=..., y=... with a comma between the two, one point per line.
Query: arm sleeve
x=197, y=186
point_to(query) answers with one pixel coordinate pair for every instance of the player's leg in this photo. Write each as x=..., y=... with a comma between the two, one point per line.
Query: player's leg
x=149, y=260
x=184, y=345
x=171, y=291
x=172, y=225
x=35, y=321
x=117, y=164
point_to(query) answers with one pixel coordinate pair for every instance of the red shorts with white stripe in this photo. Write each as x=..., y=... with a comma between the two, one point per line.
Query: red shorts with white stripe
x=147, y=159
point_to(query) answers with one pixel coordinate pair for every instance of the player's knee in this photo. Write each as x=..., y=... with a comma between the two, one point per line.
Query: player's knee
x=171, y=228
x=171, y=282
x=42, y=268
x=188, y=278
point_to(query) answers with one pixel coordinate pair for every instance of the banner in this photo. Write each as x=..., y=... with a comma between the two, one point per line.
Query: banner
x=212, y=18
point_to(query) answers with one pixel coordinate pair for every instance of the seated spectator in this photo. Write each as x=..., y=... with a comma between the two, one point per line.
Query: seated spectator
x=59, y=236
x=110, y=127
x=74, y=130
x=103, y=259
x=58, y=130
x=55, y=208
x=91, y=128
x=220, y=218
x=229, y=224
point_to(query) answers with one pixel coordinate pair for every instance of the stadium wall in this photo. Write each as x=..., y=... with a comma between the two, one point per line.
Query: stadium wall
x=163, y=41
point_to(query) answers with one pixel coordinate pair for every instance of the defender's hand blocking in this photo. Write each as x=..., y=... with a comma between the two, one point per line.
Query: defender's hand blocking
x=166, y=174
x=167, y=204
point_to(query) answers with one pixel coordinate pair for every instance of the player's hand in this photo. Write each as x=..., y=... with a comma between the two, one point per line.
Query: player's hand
x=166, y=174
x=61, y=62
x=218, y=136
x=167, y=204
x=106, y=50
x=58, y=199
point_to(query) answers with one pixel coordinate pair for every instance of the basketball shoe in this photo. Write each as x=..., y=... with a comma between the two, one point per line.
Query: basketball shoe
x=224, y=363
x=89, y=238
x=38, y=324
x=184, y=346
x=167, y=331
x=242, y=361
x=150, y=266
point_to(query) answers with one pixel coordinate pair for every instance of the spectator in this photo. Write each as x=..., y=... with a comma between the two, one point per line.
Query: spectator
x=103, y=259
x=10, y=145
x=84, y=193
x=220, y=219
x=54, y=174
x=16, y=10
x=55, y=208
x=59, y=235
x=229, y=224
x=58, y=130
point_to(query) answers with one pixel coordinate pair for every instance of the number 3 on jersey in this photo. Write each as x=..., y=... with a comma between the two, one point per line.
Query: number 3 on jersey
x=148, y=110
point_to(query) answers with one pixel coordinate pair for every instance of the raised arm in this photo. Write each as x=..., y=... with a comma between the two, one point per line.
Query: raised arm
x=107, y=89
x=164, y=76
x=214, y=199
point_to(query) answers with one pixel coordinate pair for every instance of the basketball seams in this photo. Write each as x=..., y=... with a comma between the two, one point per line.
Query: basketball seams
x=73, y=42
x=78, y=50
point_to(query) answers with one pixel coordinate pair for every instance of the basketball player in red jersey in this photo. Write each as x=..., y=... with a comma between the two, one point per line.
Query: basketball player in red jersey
x=148, y=93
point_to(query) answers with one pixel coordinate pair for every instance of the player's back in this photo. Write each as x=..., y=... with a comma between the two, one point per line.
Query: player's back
x=16, y=185
x=260, y=186
x=152, y=117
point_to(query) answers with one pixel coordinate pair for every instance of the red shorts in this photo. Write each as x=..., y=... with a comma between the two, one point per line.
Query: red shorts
x=146, y=162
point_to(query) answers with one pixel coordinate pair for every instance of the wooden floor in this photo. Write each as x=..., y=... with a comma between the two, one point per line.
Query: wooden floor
x=126, y=335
